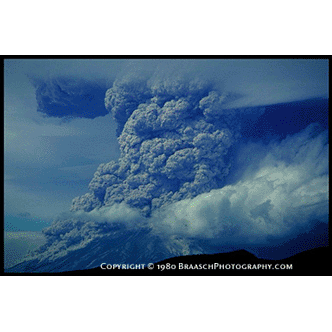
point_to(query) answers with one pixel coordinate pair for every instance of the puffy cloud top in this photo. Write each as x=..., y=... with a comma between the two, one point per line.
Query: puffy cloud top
x=280, y=192
x=173, y=135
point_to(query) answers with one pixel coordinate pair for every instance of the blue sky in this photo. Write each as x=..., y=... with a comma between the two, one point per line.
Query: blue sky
x=49, y=161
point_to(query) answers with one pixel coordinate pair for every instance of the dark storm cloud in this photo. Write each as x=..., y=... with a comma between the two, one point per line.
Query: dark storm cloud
x=69, y=97
x=247, y=83
x=174, y=148
x=174, y=135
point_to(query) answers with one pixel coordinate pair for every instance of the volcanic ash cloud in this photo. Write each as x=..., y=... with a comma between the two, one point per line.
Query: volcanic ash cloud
x=174, y=137
x=62, y=97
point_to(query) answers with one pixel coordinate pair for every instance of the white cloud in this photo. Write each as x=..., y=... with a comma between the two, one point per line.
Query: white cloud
x=285, y=188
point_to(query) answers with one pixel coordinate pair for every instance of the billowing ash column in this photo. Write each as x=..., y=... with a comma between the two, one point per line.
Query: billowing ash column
x=174, y=136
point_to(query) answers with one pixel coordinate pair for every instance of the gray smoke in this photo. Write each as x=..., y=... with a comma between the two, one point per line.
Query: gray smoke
x=63, y=97
x=174, y=136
